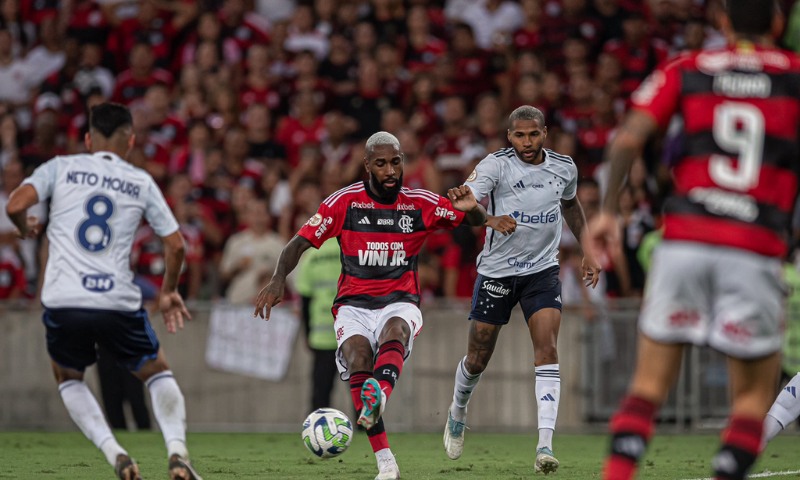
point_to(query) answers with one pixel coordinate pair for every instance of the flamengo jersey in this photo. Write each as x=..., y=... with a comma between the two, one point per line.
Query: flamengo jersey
x=735, y=184
x=97, y=203
x=532, y=195
x=379, y=242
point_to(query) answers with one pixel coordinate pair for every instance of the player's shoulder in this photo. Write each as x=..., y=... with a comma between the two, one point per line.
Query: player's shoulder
x=559, y=158
x=418, y=196
x=343, y=194
x=502, y=154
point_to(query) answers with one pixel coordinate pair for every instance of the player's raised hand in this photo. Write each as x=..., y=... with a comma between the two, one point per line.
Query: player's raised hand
x=173, y=310
x=268, y=297
x=504, y=224
x=462, y=198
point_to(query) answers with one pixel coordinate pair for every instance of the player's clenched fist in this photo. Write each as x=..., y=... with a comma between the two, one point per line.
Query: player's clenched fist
x=462, y=198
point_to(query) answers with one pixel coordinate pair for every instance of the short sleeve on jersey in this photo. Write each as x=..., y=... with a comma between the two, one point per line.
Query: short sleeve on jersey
x=325, y=224
x=157, y=212
x=484, y=178
x=444, y=216
x=44, y=178
x=572, y=185
x=658, y=95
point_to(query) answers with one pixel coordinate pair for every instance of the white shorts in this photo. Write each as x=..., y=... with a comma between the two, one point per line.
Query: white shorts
x=351, y=321
x=727, y=298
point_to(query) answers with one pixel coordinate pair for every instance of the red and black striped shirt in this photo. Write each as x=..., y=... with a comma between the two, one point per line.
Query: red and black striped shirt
x=379, y=241
x=736, y=181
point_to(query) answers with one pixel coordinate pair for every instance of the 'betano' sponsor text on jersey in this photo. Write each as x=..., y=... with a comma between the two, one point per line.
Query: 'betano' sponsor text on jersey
x=379, y=242
x=532, y=195
x=97, y=202
x=735, y=184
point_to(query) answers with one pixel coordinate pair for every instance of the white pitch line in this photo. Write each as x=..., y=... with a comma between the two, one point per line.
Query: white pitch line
x=766, y=474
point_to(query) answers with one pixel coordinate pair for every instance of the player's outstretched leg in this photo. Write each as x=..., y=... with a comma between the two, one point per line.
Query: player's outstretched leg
x=86, y=413
x=170, y=412
x=784, y=411
x=387, y=466
x=465, y=383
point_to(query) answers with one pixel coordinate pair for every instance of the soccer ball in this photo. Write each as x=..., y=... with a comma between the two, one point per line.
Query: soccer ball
x=327, y=432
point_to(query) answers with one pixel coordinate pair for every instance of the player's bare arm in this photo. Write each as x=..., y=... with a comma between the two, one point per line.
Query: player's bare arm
x=504, y=224
x=20, y=200
x=576, y=220
x=626, y=146
x=169, y=300
x=464, y=200
x=272, y=293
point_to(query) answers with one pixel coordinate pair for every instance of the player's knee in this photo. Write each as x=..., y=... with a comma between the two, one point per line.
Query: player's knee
x=545, y=355
x=476, y=363
x=396, y=329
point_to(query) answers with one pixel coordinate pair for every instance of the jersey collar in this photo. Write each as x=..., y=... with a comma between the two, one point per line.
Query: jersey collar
x=108, y=156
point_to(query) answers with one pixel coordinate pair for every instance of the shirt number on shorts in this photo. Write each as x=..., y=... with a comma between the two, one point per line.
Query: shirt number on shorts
x=94, y=232
x=739, y=129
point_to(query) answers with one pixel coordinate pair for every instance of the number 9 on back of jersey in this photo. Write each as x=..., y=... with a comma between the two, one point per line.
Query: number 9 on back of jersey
x=327, y=432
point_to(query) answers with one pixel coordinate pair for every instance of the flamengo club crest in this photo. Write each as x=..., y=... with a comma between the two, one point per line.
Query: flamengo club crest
x=406, y=224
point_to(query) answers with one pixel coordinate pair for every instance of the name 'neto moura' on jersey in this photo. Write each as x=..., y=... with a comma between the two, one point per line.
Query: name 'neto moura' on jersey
x=89, y=262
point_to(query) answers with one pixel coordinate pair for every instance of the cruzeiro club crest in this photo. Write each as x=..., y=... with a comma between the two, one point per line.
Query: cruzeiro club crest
x=406, y=224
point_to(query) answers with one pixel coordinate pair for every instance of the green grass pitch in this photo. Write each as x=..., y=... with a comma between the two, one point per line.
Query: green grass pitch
x=37, y=455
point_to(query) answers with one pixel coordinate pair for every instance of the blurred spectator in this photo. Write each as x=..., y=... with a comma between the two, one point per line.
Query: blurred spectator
x=422, y=48
x=529, y=36
x=636, y=223
x=209, y=30
x=23, y=32
x=91, y=73
x=791, y=36
x=142, y=74
x=490, y=18
x=258, y=130
x=446, y=148
x=250, y=256
x=19, y=76
x=19, y=266
x=303, y=35
x=246, y=28
x=303, y=125
x=48, y=140
x=418, y=168
x=637, y=51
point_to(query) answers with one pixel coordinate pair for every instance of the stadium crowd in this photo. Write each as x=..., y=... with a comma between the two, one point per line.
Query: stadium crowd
x=249, y=112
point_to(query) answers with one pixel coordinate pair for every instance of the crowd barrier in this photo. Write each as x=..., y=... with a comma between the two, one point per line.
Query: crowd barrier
x=235, y=377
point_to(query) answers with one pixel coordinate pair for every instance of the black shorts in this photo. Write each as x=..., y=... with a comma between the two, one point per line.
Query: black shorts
x=494, y=298
x=72, y=334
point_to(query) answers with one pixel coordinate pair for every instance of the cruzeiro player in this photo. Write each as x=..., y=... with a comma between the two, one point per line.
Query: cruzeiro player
x=381, y=227
x=97, y=201
x=530, y=189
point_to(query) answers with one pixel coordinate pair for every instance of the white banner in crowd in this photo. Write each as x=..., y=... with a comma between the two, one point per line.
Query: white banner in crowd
x=239, y=343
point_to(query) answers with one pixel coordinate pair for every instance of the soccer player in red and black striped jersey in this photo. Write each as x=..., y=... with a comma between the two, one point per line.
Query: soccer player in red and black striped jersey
x=380, y=227
x=715, y=280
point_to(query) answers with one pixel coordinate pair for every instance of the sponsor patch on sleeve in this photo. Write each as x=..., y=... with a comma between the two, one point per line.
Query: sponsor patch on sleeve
x=472, y=176
x=315, y=220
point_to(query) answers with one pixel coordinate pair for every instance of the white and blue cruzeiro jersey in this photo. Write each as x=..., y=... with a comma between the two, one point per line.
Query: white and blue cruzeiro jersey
x=532, y=195
x=97, y=203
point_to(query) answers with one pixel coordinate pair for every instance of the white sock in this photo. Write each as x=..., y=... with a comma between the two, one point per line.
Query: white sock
x=170, y=411
x=784, y=411
x=86, y=413
x=465, y=384
x=548, y=392
x=384, y=453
